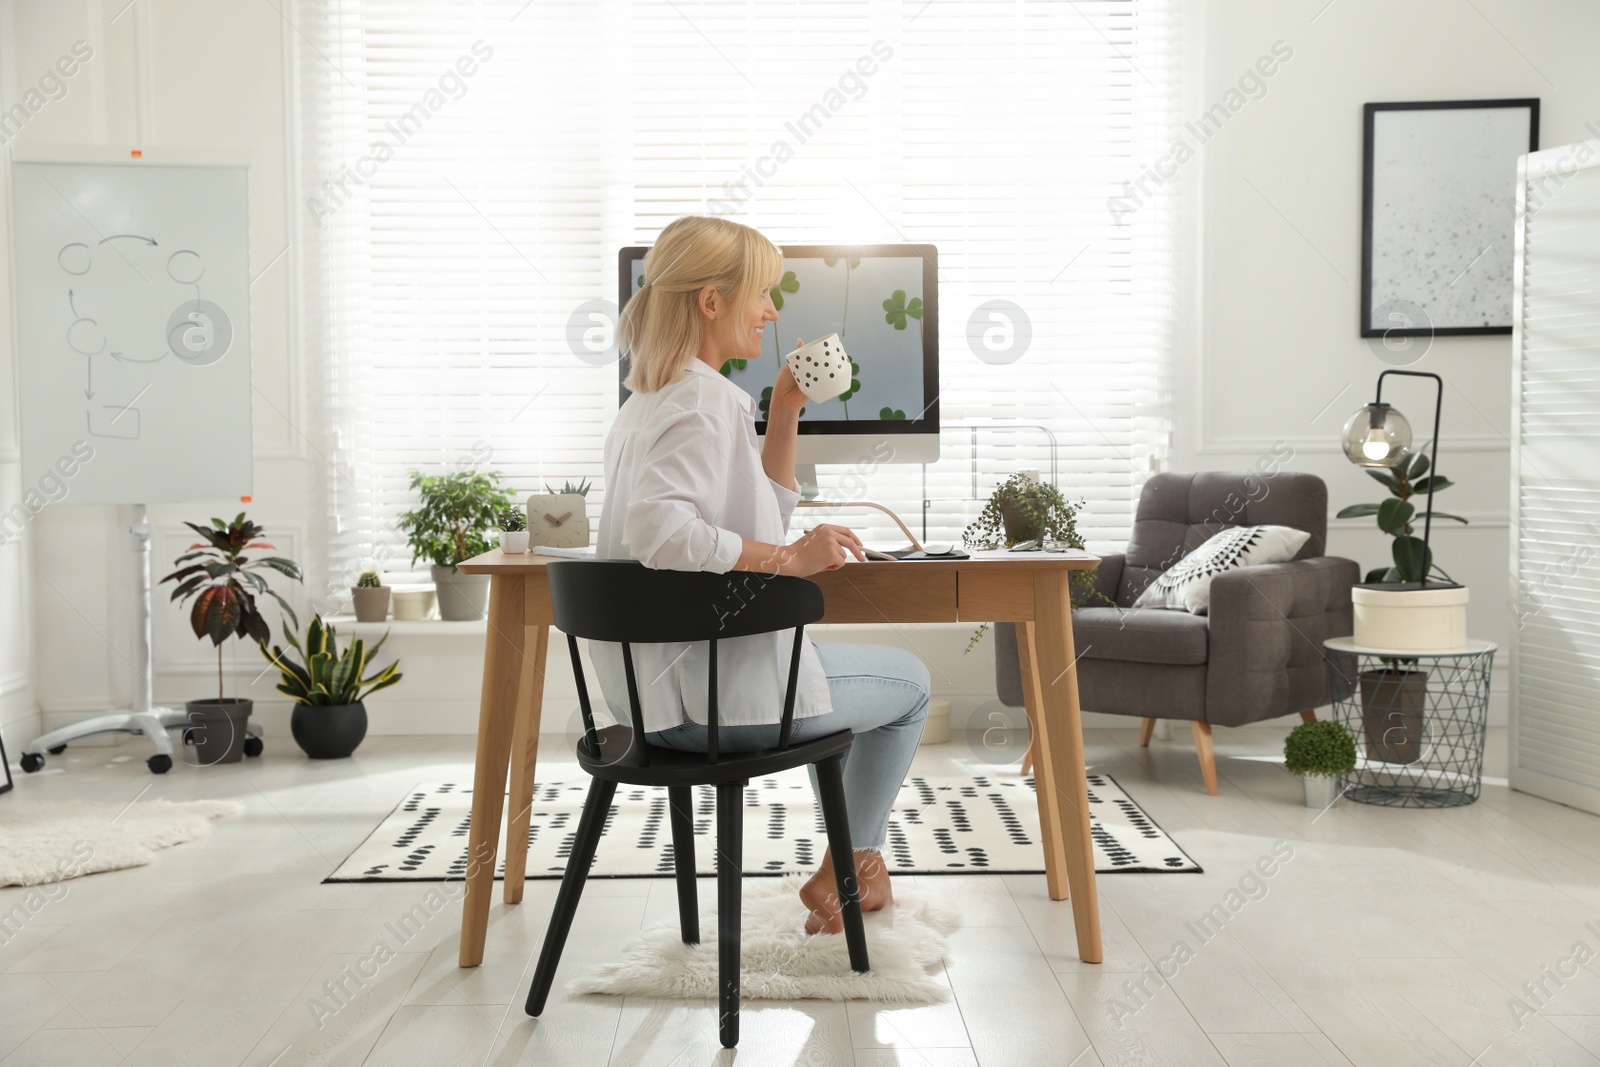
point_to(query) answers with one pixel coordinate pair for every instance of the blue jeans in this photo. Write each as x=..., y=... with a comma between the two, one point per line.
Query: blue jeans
x=878, y=691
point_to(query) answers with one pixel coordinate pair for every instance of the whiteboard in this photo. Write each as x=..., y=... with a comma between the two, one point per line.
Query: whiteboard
x=133, y=329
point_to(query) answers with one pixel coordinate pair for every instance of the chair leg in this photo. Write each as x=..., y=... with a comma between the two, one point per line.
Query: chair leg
x=1308, y=716
x=730, y=869
x=830, y=787
x=680, y=801
x=587, y=838
x=1146, y=729
x=1208, y=759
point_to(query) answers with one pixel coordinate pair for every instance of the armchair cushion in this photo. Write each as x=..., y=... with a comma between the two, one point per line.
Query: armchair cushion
x=1179, y=512
x=1267, y=628
x=1140, y=635
x=1186, y=585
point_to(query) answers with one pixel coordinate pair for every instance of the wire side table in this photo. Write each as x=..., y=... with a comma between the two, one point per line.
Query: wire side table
x=1418, y=719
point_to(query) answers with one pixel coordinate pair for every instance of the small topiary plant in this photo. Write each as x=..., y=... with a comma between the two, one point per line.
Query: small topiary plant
x=369, y=580
x=1321, y=749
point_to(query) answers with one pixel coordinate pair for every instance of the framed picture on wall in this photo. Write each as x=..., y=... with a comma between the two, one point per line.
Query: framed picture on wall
x=1438, y=211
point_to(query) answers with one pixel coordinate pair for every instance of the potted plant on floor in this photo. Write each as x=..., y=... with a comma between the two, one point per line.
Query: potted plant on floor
x=370, y=597
x=224, y=583
x=329, y=688
x=455, y=522
x=1319, y=753
x=513, y=531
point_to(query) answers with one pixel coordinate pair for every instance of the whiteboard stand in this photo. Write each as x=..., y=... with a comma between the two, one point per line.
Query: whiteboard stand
x=146, y=719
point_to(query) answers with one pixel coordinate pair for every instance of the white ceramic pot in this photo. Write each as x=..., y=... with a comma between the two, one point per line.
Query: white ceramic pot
x=1410, y=620
x=413, y=605
x=514, y=542
x=1321, y=791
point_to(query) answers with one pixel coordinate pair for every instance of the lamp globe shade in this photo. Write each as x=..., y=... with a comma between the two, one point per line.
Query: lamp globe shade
x=1377, y=436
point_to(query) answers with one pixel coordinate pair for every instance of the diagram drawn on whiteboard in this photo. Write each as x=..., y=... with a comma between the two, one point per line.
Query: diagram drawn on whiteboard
x=133, y=317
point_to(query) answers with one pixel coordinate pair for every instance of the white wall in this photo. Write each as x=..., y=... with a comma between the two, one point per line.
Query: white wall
x=1280, y=356
x=1274, y=354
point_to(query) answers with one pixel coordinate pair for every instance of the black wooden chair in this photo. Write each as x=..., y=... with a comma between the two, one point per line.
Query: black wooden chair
x=626, y=602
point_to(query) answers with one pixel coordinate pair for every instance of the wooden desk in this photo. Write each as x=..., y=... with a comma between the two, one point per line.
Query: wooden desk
x=1031, y=590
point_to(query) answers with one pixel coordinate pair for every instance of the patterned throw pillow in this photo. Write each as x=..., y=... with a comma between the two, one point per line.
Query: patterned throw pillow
x=1186, y=585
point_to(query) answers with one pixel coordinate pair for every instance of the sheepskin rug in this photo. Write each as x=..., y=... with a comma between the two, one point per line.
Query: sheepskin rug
x=42, y=843
x=779, y=961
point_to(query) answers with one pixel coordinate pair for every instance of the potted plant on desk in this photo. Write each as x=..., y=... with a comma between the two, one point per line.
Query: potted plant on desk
x=456, y=521
x=513, y=531
x=1318, y=753
x=329, y=718
x=224, y=583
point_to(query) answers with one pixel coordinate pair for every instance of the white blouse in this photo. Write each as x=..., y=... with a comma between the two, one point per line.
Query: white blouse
x=684, y=488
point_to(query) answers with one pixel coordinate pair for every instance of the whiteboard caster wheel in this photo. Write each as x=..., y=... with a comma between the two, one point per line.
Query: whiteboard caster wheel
x=159, y=764
x=253, y=746
x=31, y=761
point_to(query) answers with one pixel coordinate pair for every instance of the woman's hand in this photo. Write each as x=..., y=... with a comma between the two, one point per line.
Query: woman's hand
x=787, y=399
x=824, y=548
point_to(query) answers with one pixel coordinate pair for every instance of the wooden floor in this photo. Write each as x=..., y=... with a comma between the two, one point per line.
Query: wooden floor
x=1382, y=937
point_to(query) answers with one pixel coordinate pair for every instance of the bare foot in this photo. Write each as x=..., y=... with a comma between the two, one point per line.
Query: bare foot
x=820, y=894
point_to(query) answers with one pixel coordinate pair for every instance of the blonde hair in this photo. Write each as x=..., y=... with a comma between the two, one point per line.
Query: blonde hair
x=661, y=329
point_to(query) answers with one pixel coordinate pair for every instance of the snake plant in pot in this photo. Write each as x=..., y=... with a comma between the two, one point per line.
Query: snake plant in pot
x=224, y=583
x=329, y=688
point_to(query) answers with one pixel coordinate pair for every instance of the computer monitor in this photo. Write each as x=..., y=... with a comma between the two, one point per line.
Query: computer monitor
x=883, y=302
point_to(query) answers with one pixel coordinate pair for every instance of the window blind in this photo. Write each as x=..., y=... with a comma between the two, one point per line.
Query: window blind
x=470, y=170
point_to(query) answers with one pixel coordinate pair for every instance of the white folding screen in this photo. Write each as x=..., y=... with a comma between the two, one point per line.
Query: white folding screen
x=471, y=169
x=1555, y=480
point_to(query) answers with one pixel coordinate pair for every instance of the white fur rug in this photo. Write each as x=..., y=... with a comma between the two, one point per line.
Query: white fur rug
x=42, y=843
x=780, y=961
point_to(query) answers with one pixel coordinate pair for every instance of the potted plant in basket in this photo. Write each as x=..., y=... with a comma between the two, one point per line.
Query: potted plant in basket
x=370, y=597
x=1319, y=753
x=1024, y=509
x=329, y=687
x=459, y=510
x=1390, y=611
x=224, y=583
x=513, y=531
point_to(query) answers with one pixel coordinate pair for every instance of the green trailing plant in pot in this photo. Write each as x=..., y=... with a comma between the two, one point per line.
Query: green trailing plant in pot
x=370, y=597
x=224, y=582
x=459, y=514
x=1023, y=509
x=329, y=688
x=1319, y=753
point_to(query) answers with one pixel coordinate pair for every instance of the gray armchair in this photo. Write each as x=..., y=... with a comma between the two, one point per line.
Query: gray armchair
x=1257, y=655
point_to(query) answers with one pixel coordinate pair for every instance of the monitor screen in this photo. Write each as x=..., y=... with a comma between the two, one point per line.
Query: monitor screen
x=882, y=301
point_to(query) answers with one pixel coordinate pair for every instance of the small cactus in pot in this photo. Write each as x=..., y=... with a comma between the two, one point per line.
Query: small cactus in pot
x=370, y=597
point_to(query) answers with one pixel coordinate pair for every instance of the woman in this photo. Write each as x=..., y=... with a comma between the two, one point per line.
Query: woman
x=687, y=489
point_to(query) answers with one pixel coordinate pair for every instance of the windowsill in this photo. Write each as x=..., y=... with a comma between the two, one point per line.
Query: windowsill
x=347, y=624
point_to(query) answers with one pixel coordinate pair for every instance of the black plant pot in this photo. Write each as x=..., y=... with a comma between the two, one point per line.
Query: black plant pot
x=216, y=729
x=328, y=732
x=1394, y=703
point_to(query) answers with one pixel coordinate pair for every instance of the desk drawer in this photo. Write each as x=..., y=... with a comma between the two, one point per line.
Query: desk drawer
x=1001, y=596
x=918, y=594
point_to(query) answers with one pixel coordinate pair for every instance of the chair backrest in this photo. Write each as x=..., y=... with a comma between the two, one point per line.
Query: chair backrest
x=626, y=602
x=1179, y=512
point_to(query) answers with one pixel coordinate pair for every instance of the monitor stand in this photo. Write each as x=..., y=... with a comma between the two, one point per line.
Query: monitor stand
x=805, y=476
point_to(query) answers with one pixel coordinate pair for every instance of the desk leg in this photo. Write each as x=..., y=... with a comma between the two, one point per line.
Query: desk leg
x=497, y=709
x=524, y=755
x=1060, y=747
x=1055, y=856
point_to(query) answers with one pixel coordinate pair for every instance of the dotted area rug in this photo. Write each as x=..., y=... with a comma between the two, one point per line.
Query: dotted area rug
x=985, y=824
